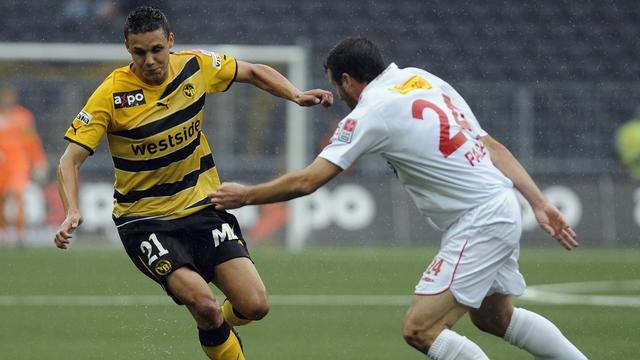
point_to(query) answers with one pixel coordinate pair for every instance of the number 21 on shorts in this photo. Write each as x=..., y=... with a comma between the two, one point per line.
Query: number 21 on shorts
x=147, y=248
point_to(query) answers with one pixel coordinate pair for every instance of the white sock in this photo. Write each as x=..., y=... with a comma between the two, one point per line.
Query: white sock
x=451, y=346
x=538, y=336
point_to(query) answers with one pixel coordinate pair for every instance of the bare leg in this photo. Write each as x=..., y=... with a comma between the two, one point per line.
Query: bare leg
x=494, y=314
x=240, y=282
x=195, y=294
x=427, y=328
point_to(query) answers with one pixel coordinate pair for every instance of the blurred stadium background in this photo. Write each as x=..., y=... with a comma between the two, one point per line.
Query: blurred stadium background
x=550, y=79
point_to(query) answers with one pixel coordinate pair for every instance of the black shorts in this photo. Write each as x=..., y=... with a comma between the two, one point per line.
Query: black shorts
x=199, y=241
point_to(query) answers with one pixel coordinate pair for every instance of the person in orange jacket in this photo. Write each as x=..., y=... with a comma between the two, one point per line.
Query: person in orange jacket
x=20, y=152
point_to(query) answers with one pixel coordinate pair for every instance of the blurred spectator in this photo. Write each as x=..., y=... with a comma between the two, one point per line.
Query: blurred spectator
x=106, y=15
x=114, y=11
x=20, y=153
x=628, y=145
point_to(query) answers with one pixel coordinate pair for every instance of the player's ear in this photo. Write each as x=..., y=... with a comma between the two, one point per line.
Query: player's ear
x=172, y=38
x=345, y=79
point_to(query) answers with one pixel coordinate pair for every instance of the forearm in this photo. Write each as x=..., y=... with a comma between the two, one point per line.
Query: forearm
x=270, y=80
x=283, y=188
x=68, y=178
x=512, y=169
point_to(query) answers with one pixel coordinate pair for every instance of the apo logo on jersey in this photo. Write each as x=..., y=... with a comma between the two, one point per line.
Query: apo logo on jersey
x=345, y=132
x=128, y=99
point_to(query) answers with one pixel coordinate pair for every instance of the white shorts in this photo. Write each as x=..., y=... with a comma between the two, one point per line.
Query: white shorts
x=479, y=254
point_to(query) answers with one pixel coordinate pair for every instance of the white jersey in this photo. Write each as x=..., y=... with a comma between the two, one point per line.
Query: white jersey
x=428, y=133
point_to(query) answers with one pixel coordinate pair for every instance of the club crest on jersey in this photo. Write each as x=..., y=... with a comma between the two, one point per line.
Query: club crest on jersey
x=84, y=117
x=346, y=130
x=189, y=90
x=128, y=99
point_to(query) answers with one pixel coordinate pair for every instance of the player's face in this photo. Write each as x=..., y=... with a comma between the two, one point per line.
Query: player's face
x=345, y=91
x=150, y=54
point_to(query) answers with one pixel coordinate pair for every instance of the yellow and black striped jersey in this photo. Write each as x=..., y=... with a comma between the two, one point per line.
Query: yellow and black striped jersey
x=163, y=163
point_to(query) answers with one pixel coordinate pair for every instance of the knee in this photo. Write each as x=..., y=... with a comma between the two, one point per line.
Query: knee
x=255, y=307
x=419, y=335
x=205, y=309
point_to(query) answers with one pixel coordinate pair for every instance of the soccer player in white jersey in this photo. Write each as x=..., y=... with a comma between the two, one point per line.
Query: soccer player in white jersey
x=459, y=177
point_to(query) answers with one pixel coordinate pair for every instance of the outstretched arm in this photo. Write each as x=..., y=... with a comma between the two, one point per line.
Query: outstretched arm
x=286, y=187
x=68, y=181
x=548, y=216
x=270, y=80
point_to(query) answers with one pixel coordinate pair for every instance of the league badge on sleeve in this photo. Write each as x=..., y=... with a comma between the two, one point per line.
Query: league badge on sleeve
x=217, y=62
x=84, y=117
x=346, y=130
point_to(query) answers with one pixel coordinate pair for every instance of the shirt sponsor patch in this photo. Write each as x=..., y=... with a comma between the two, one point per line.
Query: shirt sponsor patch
x=128, y=99
x=84, y=117
x=347, y=129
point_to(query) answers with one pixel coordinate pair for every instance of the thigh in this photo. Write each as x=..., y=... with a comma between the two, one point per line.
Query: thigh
x=239, y=280
x=187, y=285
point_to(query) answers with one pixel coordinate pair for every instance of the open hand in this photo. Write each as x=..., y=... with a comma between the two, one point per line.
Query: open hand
x=551, y=221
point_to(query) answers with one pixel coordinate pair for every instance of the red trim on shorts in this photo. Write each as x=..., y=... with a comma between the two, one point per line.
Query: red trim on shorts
x=453, y=276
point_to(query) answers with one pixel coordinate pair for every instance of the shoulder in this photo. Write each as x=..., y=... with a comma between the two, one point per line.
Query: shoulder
x=110, y=83
x=204, y=57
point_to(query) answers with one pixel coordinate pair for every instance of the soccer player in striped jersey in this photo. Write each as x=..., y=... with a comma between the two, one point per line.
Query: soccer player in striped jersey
x=459, y=177
x=151, y=112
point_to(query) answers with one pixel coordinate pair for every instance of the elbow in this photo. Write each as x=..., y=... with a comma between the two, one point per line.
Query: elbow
x=307, y=186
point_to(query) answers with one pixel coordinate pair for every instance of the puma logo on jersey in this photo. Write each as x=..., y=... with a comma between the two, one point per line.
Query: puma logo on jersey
x=128, y=99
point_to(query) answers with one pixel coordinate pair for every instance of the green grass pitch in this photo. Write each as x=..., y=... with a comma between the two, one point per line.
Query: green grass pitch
x=165, y=331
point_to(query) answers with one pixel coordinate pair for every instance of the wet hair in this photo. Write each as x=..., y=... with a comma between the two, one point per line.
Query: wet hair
x=145, y=19
x=356, y=56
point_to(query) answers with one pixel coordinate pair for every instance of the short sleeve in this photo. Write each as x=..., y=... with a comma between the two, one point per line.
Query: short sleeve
x=219, y=70
x=355, y=136
x=92, y=122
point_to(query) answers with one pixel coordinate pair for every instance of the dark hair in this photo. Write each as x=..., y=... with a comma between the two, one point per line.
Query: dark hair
x=145, y=19
x=356, y=56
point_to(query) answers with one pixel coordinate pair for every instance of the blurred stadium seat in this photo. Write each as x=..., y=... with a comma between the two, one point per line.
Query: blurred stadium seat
x=495, y=42
x=550, y=79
